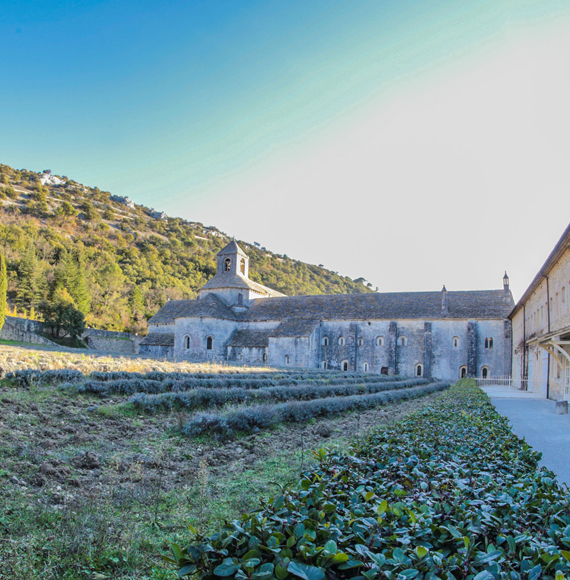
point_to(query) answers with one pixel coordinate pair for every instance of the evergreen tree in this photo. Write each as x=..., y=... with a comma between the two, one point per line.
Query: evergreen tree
x=3, y=290
x=27, y=292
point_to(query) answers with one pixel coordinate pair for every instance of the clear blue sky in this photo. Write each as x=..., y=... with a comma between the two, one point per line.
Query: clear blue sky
x=381, y=138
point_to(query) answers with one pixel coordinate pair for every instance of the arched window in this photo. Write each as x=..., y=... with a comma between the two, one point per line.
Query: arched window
x=325, y=341
x=455, y=342
x=264, y=357
x=360, y=341
x=187, y=342
x=209, y=343
x=403, y=341
x=341, y=341
x=379, y=341
x=484, y=372
x=227, y=265
x=462, y=372
x=486, y=343
x=365, y=367
x=286, y=359
x=419, y=372
x=324, y=365
x=490, y=343
x=242, y=266
x=344, y=365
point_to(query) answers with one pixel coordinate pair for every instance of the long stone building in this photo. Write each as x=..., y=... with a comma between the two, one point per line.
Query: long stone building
x=439, y=334
x=541, y=327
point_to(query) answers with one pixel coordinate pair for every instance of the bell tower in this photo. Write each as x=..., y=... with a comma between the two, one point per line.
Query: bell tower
x=232, y=261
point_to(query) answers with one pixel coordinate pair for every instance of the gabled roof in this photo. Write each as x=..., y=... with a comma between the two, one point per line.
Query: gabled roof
x=158, y=339
x=294, y=327
x=561, y=246
x=208, y=307
x=250, y=338
x=484, y=304
x=232, y=248
x=229, y=280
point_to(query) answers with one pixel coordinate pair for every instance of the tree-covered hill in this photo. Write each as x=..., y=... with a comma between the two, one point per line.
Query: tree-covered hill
x=117, y=261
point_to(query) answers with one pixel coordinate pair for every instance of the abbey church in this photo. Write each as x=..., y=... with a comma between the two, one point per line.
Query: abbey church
x=445, y=335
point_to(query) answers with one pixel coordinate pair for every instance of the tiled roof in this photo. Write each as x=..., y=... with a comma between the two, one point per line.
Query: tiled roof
x=485, y=304
x=294, y=327
x=208, y=307
x=250, y=338
x=158, y=339
x=229, y=280
x=232, y=248
x=390, y=306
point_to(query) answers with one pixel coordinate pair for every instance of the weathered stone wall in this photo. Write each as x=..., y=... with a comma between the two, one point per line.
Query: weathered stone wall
x=198, y=330
x=18, y=333
x=113, y=345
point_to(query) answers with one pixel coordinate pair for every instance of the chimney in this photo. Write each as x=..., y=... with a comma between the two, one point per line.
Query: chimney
x=444, y=303
x=506, y=283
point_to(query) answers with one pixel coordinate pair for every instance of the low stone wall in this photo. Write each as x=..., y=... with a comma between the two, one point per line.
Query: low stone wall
x=113, y=345
x=18, y=333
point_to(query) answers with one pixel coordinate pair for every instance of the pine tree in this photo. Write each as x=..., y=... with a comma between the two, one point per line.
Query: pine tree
x=27, y=293
x=3, y=290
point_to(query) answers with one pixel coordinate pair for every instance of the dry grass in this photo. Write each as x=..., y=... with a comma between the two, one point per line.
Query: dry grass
x=15, y=358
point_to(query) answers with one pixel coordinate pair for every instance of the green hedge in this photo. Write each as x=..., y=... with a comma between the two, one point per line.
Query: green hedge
x=447, y=493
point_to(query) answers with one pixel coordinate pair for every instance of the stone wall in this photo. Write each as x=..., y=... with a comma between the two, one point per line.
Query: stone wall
x=18, y=332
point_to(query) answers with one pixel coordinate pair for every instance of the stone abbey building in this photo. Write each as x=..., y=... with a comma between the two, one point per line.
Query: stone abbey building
x=437, y=334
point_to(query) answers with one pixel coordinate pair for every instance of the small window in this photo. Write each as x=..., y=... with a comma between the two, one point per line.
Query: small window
x=379, y=341
x=419, y=372
x=455, y=342
x=403, y=341
x=187, y=342
x=341, y=341
x=485, y=372
x=264, y=357
x=240, y=356
x=324, y=365
x=490, y=343
x=209, y=343
x=227, y=265
x=486, y=343
x=360, y=341
x=365, y=367
x=286, y=359
x=325, y=341
x=242, y=266
x=384, y=371
x=462, y=372
x=344, y=365
x=240, y=299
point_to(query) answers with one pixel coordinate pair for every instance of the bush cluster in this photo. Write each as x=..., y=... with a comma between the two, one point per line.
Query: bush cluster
x=29, y=377
x=263, y=416
x=130, y=386
x=447, y=493
x=201, y=398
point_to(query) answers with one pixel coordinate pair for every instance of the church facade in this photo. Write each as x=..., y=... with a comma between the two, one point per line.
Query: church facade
x=445, y=335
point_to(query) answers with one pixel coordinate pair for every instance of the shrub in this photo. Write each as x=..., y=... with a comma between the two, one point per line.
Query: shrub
x=29, y=377
x=449, y=492
x=261, y=416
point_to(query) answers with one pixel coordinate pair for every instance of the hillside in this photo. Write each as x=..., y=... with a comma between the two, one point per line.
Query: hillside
x=119, y=261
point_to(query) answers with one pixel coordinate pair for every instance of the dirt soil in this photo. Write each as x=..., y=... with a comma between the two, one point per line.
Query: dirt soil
x=66, y=444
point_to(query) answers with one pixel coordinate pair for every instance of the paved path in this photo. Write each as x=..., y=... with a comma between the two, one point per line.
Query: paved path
x=536, y=420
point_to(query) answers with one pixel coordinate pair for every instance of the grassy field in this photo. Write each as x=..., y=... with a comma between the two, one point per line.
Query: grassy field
x=90, y=488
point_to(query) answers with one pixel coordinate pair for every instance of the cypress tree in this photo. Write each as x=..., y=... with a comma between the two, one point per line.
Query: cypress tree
x=3, y=290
